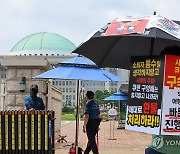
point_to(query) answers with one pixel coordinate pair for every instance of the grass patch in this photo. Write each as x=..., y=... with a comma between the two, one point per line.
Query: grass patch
x=68, y=117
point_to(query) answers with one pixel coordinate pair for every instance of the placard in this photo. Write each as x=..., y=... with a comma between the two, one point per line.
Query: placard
x=145, y=94
x=171, y=97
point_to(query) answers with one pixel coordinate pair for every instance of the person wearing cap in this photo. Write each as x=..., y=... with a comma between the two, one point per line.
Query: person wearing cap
x=91, y=122
x=33, y=102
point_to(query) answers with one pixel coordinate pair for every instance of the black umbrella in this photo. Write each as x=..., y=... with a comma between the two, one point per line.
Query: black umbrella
x=114, y=44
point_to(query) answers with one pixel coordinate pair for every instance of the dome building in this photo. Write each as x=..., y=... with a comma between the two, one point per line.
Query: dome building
x=54, y=47
x=43, y=43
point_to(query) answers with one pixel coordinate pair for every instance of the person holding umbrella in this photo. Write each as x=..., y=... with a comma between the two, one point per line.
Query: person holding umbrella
x=91, y=122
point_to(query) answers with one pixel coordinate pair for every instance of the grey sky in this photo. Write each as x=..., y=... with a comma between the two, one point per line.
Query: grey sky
x=73, y=19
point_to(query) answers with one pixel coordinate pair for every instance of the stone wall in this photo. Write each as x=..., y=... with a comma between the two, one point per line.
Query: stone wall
x=23, y=66
x=55, y=104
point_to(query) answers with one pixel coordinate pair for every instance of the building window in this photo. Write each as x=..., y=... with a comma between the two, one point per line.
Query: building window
x=66, y=83
x=73, y=97
x=114, y=83
x=70, y=83
x=66, y=89
x=63, y=82
x=70, y=90
x=59, y=82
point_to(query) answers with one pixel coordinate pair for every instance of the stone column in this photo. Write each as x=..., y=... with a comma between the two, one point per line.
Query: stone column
x=23, y=66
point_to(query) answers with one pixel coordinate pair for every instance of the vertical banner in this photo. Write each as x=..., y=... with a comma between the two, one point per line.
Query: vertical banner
x=26, y=131
x=23, y=132
x=42, y=131
x=171, y=97
x=35, y=132
x=6, y=132
x=32, y=132
x=3, y=131
x=145, y=94
x=16, y=130
x=19, y=132
x=13, y=131
x=46, y=132
x=39, y=131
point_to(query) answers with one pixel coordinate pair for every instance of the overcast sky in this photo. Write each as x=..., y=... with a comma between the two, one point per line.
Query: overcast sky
x=73, y=19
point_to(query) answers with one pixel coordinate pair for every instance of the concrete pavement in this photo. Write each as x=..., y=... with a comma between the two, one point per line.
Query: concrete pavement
x=126, y=142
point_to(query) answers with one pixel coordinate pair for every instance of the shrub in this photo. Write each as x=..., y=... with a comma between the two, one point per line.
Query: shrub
x=67, y=109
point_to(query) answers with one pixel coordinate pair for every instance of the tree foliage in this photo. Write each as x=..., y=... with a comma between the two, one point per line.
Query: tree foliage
x=67, y=109
x=100, y=95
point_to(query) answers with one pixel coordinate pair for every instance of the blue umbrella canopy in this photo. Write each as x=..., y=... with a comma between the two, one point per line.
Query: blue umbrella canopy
x=79, y=60
x=118, y=96
x=79, y=68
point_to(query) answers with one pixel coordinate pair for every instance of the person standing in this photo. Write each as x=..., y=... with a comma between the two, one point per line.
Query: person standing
x=91, y=122
x=33, y=102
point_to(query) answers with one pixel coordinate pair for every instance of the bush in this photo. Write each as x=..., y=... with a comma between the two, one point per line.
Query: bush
x=67, y=110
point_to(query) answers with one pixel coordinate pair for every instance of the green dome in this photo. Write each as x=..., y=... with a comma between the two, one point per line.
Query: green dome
x=41, y=42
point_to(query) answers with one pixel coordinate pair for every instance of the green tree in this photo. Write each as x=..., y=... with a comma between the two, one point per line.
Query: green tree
x=68, y=110
x=100, y=95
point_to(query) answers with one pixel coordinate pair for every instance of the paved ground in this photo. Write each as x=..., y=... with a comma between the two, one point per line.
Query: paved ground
x=127, y=142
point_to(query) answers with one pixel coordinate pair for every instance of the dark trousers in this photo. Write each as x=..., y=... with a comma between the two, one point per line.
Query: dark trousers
x=91, y=130
x=151, y=151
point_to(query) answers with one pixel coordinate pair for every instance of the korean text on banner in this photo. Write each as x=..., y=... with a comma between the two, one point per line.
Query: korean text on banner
x=145, y=94
x=171, y=97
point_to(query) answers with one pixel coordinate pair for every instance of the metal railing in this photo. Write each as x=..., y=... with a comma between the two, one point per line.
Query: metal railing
x=24, y=132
